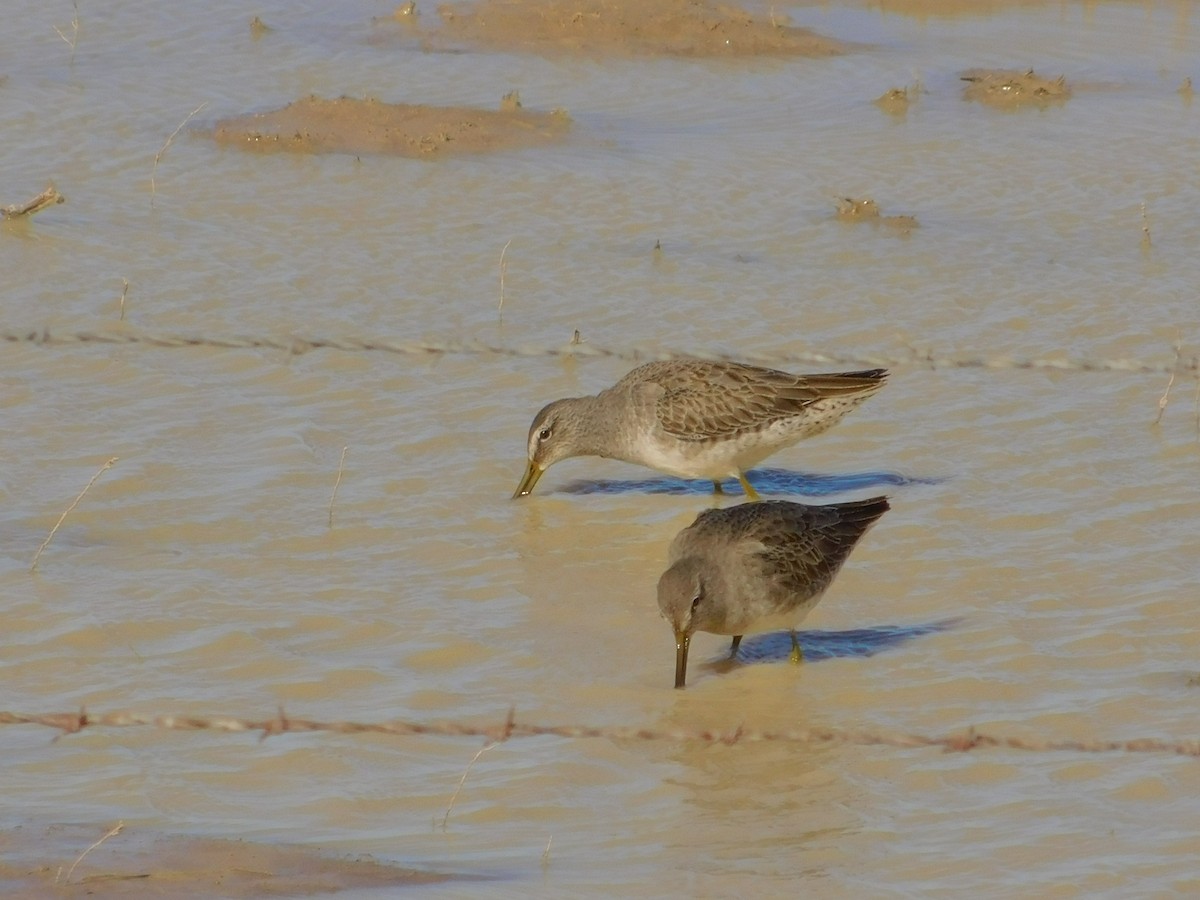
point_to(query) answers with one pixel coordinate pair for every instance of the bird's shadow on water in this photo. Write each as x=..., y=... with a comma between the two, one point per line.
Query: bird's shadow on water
x=818, y=645
x=765, y=481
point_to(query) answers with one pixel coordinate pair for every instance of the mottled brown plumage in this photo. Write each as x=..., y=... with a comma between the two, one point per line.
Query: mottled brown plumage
x=694, y=418
x=757, y=566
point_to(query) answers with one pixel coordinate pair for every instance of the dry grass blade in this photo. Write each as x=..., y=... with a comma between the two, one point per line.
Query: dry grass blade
x=503, y=269
x=1162, y=401
x=338, y=481
x=115, y=830
x=167, y=143
x=74, y=38
x=1197, y=409
x=124, y=294
x=49, y=197
x=458, y=790
x=104, y=468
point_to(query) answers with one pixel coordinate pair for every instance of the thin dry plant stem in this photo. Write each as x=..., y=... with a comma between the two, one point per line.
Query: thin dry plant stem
x=1197, y=409
x=546, y=852
x=503, y=269
x=338, y=481
x=124, y=294
x=1162, y=401
x=458, y=790
x=74, y=38
x=167, y=143
x=74, y=503
x=116, y=829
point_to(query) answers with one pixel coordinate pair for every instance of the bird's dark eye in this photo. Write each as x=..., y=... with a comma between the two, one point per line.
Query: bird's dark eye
x=695, y=602
x=544, y=434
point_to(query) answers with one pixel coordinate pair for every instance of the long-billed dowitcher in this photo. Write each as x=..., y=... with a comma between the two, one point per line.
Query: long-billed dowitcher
x=694, y=418
x=757, y=566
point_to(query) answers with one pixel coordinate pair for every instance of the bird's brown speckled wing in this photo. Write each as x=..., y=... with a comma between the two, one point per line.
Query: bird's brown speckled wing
x=805, y=546
x=798, y=547
x=700, y=400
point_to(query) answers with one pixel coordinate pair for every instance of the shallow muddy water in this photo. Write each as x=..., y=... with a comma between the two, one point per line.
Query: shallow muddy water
x=1036, y=576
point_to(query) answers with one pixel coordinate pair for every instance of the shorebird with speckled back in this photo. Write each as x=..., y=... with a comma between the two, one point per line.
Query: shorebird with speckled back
x=756, y=567
x=694, y=418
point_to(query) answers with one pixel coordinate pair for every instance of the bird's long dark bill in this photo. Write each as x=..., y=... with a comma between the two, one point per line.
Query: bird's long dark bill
x=681, y=649
x=532, y=474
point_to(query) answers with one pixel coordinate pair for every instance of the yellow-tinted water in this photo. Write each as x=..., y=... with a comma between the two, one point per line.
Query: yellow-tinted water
x=200, y=574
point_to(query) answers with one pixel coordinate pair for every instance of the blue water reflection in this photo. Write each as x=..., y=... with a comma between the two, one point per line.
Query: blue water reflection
x=766, y=481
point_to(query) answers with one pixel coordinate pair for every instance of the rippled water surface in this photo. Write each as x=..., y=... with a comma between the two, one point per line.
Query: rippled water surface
x=1035, y=578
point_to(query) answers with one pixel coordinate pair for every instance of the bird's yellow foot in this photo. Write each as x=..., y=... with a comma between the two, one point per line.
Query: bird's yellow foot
x=797, y=655
x=751, y=493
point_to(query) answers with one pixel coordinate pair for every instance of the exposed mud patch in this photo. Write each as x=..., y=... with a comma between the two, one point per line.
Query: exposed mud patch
x=347, y=125
x=896, y=101
x=138, y=864
x=1009, y=89
x=626, y=27
x=867, y=211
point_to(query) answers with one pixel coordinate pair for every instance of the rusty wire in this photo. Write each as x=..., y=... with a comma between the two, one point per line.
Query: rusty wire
x=297, y=344
x=511, y=727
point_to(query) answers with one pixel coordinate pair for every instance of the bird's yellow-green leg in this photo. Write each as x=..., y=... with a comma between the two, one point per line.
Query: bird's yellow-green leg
x=751, y=493
x=797, y=655
x=717, y=489
x=733, y=648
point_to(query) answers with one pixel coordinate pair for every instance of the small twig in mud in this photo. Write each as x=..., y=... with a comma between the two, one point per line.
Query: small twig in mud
x=167, y=143
x=341, y=466
x=1145, y=229
x=124, y=293
x=482, y=750
x=546, y=852
x=503, y=269
x=104, y=468
x=115, y=830
x=74, y=38
x=49, y=197
x=1162, y=401
x=1197, y=408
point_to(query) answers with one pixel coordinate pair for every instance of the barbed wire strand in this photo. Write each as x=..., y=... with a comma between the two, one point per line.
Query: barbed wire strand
x=511, y=727
x=296, y=345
